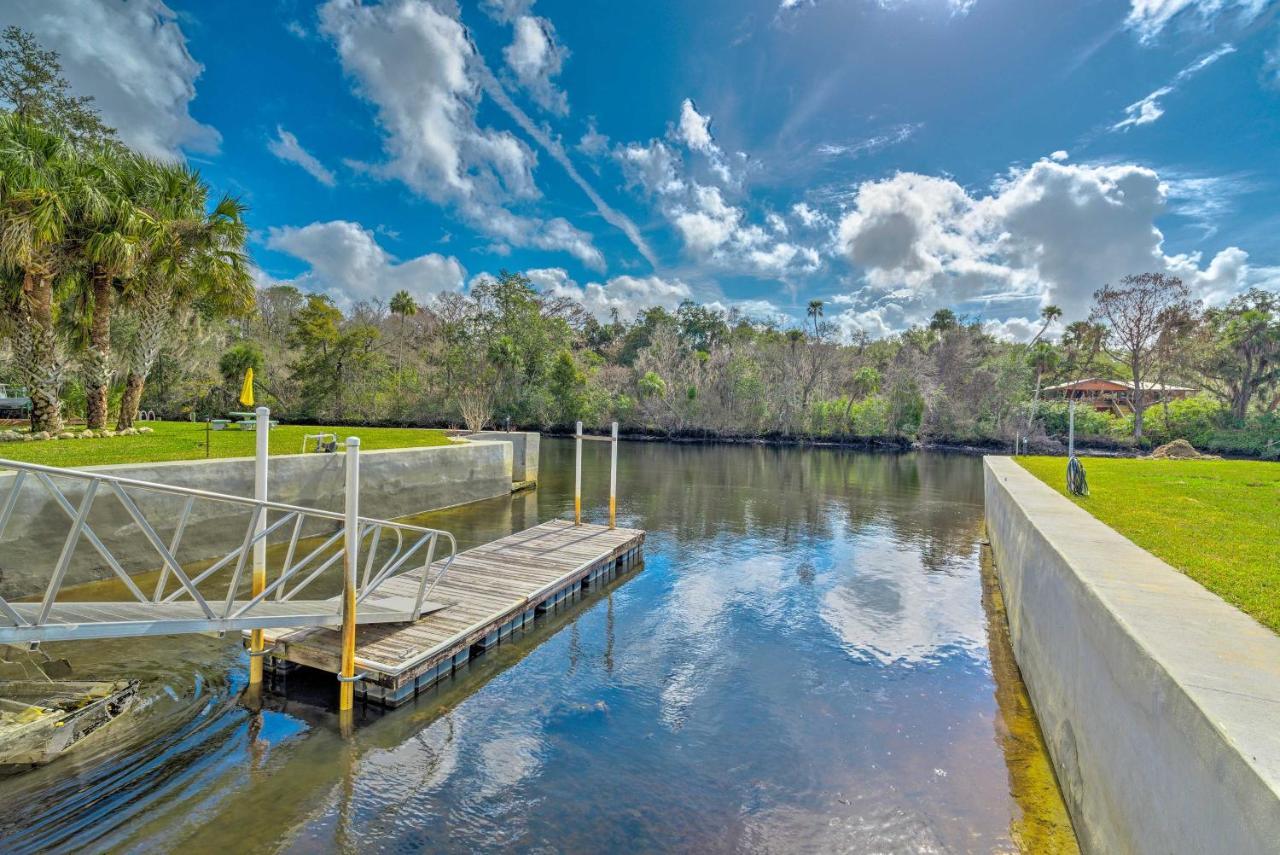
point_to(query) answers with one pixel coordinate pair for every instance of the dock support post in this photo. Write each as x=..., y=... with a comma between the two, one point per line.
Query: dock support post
x=613, y=478
x=351, y=547
x=577, y=475
x=261, y=453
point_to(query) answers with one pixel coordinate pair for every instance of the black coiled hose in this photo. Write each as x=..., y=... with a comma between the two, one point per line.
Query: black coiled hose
x=1077, y=485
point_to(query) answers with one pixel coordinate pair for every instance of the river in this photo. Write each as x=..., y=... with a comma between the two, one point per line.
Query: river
x=813, y=658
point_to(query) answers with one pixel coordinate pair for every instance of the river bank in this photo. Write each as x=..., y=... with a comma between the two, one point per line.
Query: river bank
x=893, y=445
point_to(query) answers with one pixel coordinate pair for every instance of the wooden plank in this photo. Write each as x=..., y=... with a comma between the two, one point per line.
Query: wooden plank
x=486, y=588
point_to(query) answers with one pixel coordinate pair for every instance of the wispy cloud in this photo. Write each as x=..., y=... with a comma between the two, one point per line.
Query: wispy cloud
x=893, y=136
x=1206, y=199
x=1148, y=18
x=1271, y=67
x=493, y=88
x=957, y=8
x=286, y=147
x=1149, y=109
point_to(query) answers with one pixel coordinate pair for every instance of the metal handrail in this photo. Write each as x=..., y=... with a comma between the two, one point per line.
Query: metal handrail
x=257, y=531
x=171, y=489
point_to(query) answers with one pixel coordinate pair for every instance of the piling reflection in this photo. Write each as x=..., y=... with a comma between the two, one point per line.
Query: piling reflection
x=807, y=662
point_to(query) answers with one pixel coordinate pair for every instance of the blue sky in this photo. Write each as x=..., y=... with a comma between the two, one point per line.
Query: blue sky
x=890, y=157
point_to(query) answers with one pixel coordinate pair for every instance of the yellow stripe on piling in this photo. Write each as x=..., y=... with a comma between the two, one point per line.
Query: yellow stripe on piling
x=577, y=474
x=347, y=688
x=350, y=558
x=261, y=452
x=613, y=476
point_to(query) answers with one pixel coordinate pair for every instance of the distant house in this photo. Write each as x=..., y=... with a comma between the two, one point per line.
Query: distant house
x=1115, y=396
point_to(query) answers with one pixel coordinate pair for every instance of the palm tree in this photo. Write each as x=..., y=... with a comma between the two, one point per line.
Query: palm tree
x=193, y=254
x=402, y=304
x=1048, y=314
x=113, y=245
x=815, y=312
x=45, y=189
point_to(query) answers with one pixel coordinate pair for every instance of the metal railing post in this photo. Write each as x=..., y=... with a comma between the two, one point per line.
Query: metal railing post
x=351, y=547
x=613, y=478
x=577, y=475
x=261, y=453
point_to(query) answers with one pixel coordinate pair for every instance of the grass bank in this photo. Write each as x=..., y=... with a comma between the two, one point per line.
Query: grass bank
x=186, y=441
x=1215, y=520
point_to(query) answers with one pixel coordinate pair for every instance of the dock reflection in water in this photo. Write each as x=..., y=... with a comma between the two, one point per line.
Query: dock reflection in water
x=807, y=662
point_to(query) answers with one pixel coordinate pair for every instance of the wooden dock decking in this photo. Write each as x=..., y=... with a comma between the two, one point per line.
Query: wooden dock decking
x=489, y=591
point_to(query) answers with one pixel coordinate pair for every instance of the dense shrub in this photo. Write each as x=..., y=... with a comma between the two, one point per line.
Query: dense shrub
x=842, y=417
x=1055, y=416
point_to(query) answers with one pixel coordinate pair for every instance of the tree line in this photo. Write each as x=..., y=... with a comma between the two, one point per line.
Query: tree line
x=103, y=252
x=126, y=284
x=506, y=354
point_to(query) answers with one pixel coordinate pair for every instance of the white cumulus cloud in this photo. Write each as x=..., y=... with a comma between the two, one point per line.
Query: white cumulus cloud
x=1050, y=233
x=427, y=102
x=711, y=227
x=627, y=295
x=535, y=57
x=694, y=129
x=133, y=59
x=346, y=263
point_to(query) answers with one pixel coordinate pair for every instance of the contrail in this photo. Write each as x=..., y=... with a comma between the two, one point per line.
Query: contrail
x=616, y=219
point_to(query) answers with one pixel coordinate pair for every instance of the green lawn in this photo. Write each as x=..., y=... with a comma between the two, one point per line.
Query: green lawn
x=186, y=441
x=1218, y=521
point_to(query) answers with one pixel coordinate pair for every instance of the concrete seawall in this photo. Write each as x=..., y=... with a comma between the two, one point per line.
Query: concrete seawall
x=1158, y=700
x=525, y=446
x=393, y=483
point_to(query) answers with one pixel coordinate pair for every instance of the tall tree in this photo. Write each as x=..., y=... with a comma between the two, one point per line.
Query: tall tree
x=195, y=257
x=403, y=306
x=111, y=245
x=1081, y=347
x=814, y=313
x=1238, y=349
x=45, y=189
x=32, y=85
x=1048, y=315
x=1136, y=315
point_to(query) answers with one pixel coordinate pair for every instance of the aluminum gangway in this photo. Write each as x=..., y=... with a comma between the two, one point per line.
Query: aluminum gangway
x=237, y=591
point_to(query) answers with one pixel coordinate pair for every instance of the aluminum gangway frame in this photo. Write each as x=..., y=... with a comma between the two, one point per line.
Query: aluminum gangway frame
x=237, y=591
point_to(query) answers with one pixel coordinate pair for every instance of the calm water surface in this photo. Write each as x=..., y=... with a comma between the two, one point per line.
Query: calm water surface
x=813, y=659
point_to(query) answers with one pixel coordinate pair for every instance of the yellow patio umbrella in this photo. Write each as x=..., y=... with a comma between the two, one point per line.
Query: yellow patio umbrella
x=246, y=391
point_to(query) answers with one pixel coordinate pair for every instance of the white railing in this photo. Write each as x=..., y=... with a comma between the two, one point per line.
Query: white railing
x=391, y=548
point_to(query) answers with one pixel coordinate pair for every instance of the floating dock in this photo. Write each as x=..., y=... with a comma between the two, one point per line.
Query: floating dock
x=489, y=592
